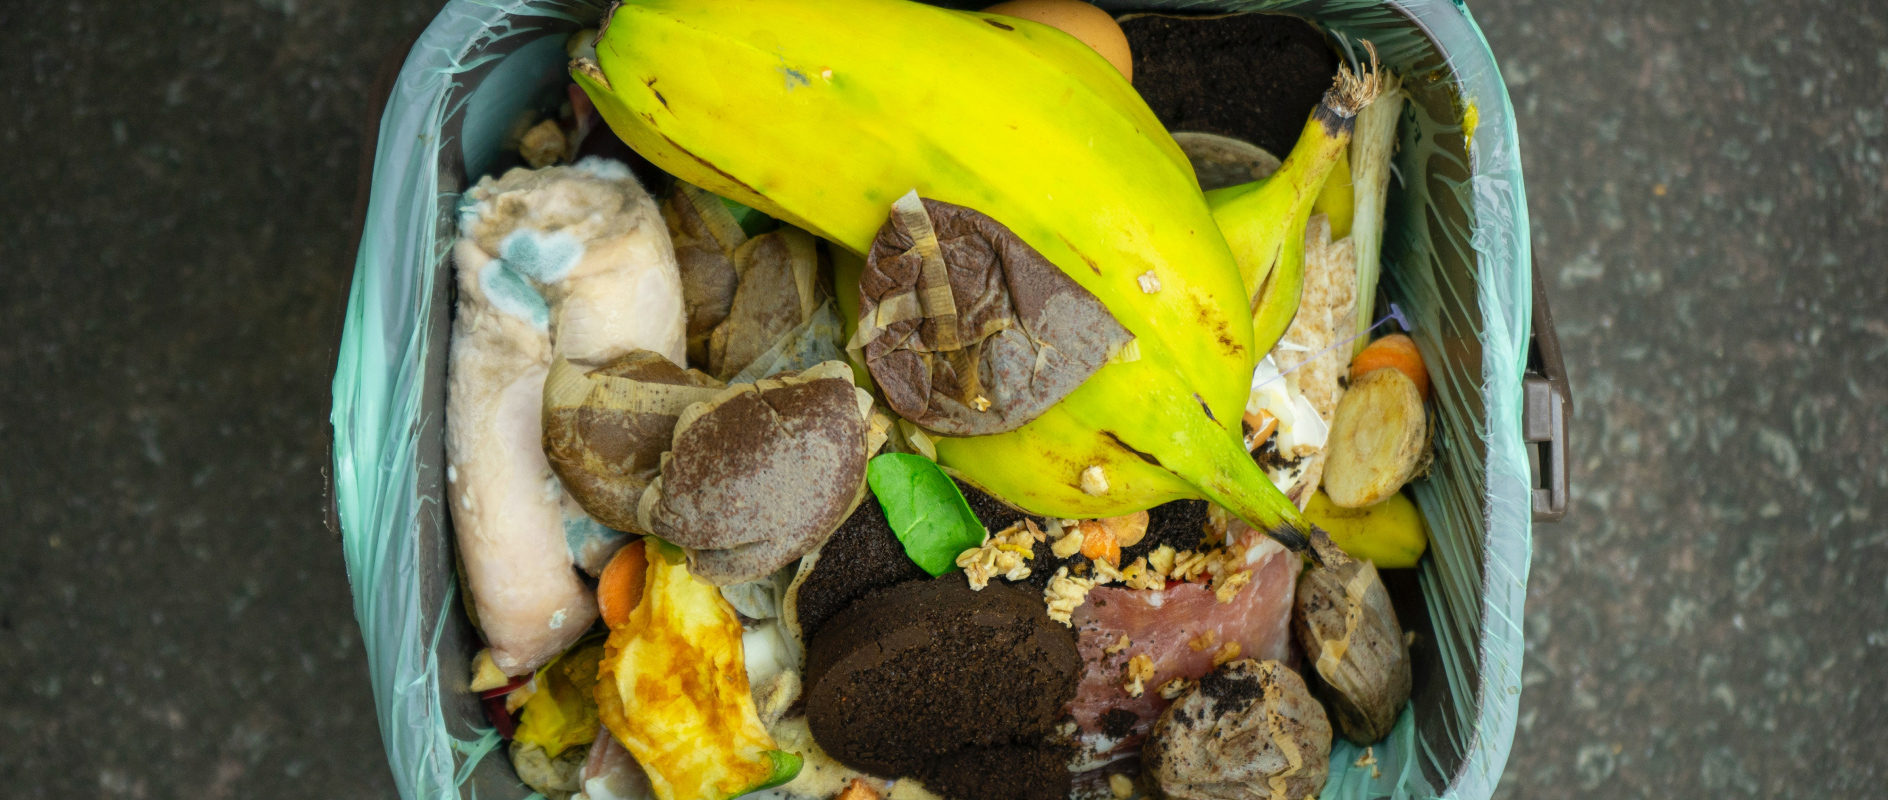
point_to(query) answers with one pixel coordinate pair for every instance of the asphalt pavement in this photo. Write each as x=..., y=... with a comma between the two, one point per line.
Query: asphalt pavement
x=1707, y=191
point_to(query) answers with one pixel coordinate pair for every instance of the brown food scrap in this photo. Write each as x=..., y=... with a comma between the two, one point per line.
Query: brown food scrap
x=956, y=312
x=605, y=429
x=1342, y=616
x=1249, y=729
x=994, y=673
x=543, y=145
x=705, y=234
x=778, y=292
x=762, y=473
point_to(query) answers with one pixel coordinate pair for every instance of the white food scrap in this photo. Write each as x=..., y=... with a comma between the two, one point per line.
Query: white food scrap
x=1006, y=554
x=1066, y=593
x=1068, y=545
x=1227, y=585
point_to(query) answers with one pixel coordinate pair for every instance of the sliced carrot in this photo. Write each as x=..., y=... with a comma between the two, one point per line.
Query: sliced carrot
x=1396, y=351
x=619, y=590
x=1099, y=544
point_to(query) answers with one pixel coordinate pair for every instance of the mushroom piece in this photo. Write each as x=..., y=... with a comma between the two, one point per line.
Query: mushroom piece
x=762, y=473
x=1343, y=618
x=1249, y=729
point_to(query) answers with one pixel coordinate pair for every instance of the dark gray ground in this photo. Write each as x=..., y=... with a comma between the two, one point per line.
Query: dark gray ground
x=1708, y=199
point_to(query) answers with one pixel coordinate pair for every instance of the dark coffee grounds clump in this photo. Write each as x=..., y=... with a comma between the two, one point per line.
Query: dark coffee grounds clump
x=1254, y=77
x=1118, y=722
x=1180, y=525
x=931, y=679
x=1003, y=773
x=864, y=554
x=1231, y=693
x=993, y=513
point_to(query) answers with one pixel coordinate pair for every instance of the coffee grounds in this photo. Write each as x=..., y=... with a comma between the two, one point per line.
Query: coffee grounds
x=1180, y=524
x=864, y=554
x=1118, y=722
x=930, y=679
x=1002, y=773
x=993, y=513
x=1254, y=77
x=1232, y=693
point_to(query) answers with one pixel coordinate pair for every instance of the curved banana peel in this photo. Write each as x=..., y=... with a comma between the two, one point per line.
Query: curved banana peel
x=809, y=113
x=1264, y=221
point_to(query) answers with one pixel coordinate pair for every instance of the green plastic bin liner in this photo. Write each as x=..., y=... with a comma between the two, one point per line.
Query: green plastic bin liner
x=1455, y=258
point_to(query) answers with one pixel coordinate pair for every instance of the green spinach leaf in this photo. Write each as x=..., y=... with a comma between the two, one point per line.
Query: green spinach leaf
x=925, y=510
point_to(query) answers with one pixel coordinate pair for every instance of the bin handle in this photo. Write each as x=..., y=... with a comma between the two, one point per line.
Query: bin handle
x=1547, y=405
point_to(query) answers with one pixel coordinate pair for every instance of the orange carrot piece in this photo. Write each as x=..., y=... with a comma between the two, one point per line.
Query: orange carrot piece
x=1396, y=351
x=1099, y=544
x=619, y=589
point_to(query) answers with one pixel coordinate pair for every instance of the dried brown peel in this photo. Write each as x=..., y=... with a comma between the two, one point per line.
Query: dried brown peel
x=1250, y=729
x=605, y=429
x=778, y=292
x=762, y=473
x=969, y=331
x=706, y=235
x=1342, y=617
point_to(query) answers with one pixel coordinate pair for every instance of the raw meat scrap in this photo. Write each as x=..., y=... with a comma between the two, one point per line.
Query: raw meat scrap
x=1162, y=625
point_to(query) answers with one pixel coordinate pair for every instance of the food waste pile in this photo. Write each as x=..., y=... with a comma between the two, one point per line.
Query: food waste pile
x=864, y=399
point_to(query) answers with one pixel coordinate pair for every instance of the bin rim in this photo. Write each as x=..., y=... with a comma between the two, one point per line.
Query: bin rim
x=378, y=414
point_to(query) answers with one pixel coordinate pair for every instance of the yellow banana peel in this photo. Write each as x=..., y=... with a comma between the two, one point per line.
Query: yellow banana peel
x=1391, y=533
x=822, y=114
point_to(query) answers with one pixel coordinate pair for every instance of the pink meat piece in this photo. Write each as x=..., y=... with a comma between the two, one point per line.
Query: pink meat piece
x=1161, y=623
